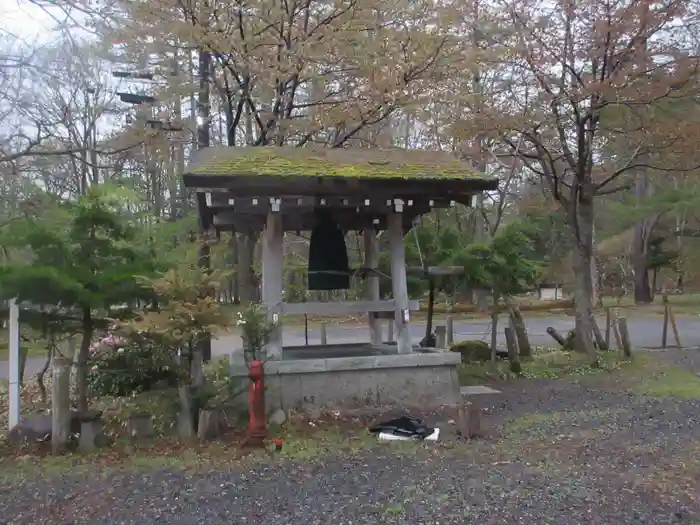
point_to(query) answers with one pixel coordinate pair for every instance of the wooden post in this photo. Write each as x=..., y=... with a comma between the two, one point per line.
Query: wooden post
x=324, y=334
x=60, y=404
x=185, y=416
x=272, y=268
x=664, y=330
x=440, y=337
x=469, y=421
x=608, y=320
x=14, y=365
x=674, y=327
x=513, y=357
x=558, y=338
x=398, y=278
x=372, y=261
x=616, y=332
x=450, y=328
x=624, y=337
x=494, y=333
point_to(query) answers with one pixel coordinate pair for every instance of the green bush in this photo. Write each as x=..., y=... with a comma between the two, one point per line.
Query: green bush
x=123, y=370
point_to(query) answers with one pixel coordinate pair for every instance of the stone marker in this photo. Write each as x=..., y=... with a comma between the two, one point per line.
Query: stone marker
x=60, y=404
x=140, y=425
x=90, y=429
x=209, y=425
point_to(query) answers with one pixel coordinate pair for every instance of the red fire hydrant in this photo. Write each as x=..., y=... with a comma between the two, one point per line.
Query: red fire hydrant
x=257, y=427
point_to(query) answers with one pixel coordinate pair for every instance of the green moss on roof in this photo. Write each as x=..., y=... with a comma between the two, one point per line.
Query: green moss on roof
x=326, y=162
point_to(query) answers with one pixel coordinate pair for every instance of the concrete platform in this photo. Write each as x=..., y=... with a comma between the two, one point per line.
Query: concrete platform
x=476, y=390
x=358, y=375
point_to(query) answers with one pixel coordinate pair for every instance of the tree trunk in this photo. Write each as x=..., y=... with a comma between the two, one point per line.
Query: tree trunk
x=642, y=289
x=640, y=245
x=81, y=363
x=581, y=222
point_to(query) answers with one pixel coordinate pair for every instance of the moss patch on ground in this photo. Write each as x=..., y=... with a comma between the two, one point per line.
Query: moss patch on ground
x=667, y=381
x=544, y=364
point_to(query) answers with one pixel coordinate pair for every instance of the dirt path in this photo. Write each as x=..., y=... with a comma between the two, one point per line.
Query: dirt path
x=568, y=454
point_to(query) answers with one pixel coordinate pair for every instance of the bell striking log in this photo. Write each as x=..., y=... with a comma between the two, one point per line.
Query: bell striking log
x=329, y=268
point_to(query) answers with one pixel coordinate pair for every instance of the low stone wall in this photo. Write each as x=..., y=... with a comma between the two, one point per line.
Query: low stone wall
x=350, y=382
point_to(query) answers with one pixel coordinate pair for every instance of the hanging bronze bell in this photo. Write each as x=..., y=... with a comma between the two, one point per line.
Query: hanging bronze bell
x=328, y=268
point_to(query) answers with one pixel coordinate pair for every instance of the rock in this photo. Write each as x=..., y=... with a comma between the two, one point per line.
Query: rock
x=476, y=351
x=278, y=417
x=38, y=428
x=314, y=413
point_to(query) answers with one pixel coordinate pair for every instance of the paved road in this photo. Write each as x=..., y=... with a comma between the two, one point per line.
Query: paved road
x=644, y=332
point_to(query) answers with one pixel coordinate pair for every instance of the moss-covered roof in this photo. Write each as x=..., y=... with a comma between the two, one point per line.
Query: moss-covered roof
x=327, y=162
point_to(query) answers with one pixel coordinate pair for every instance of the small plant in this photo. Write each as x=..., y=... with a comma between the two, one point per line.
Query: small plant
x=256, y=328
x=131, y=367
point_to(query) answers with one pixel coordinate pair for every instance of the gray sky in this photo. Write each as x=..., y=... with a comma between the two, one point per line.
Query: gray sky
x=25, y=20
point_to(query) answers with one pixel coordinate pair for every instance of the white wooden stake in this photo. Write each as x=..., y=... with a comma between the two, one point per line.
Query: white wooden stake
x=13, y=416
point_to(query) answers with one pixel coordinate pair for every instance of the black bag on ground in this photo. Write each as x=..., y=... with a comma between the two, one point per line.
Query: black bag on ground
x=404, y=426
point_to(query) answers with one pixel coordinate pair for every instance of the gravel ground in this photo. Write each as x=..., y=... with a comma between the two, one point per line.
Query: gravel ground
x=569, y=454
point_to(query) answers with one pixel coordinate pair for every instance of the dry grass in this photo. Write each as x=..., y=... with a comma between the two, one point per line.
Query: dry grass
x=682, y=304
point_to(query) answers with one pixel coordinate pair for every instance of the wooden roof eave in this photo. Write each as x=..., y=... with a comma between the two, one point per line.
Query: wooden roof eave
x=243, y=185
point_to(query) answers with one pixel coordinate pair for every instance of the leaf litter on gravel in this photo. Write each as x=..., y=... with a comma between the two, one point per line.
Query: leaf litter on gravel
x=603, y=458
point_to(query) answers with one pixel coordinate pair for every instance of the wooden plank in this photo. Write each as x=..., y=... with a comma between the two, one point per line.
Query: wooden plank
x=348, y=220
x=342, y=308
x=260, y=204
x=436, y=271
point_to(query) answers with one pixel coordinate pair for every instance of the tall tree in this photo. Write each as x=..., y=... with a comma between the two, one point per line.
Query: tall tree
x=82, y=259
x=574, y=69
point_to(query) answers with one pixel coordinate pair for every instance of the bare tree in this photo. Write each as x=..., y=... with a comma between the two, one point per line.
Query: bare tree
x=581, y=74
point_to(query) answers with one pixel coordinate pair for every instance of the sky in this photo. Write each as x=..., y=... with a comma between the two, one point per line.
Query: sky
x=26, y=21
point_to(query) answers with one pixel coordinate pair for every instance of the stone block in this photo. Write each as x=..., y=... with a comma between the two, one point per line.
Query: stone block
x=140, y=425
x=209, y=425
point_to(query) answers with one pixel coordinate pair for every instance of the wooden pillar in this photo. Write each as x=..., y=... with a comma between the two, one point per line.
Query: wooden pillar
x=372, y=261
x=272, y=282
x=398, y=278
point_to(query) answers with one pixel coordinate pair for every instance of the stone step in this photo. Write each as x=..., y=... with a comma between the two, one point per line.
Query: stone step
x=476, y=390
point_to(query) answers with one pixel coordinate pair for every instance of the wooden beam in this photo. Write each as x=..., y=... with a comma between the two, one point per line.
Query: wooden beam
x=220, y=201
x=304, y=185
x=343, y=308
x=347, y=220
